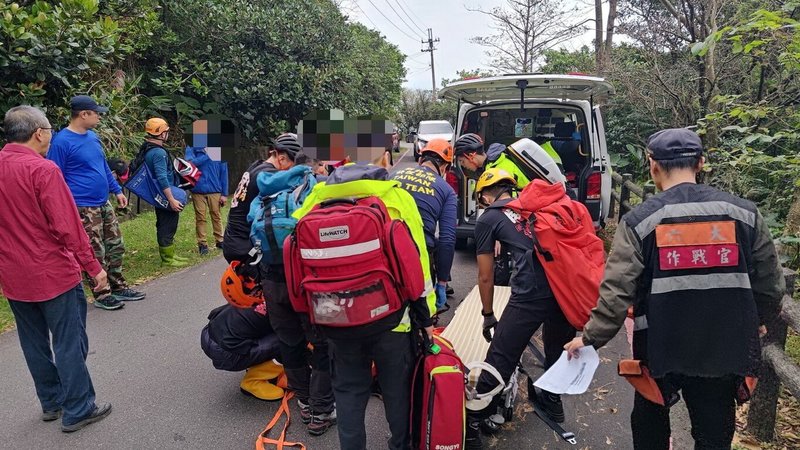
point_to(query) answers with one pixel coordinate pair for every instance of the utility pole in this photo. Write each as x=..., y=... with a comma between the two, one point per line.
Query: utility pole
x=430, y=49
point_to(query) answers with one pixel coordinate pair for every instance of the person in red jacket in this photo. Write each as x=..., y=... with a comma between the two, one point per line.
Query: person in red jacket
x=43, y=249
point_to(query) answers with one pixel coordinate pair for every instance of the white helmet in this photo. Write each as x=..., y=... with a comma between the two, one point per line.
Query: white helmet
x=536, y=158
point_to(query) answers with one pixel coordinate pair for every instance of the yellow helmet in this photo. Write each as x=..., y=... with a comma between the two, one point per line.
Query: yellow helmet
x=155, y=126
x=492, y=176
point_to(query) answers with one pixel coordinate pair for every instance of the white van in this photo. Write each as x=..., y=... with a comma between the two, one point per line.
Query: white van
x=559, y=110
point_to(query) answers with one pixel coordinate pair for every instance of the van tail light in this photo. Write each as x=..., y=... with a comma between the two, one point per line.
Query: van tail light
x=593, y=184
x=452, y=180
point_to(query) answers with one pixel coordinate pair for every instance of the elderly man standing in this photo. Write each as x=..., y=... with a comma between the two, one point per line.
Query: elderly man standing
x=43, y=249
x=77, y=151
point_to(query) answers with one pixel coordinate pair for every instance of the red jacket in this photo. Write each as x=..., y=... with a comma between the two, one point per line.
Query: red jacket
x=43, y=245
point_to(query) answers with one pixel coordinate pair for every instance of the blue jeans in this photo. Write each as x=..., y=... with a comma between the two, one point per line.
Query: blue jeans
x=63, y=383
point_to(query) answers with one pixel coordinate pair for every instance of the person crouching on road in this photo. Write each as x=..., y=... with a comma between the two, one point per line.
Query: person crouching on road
x=388, y=342
x=532, y=302
x=699, y=268
x=311, y=385
x=238, y=339
x=437, y=207
x=45, y=294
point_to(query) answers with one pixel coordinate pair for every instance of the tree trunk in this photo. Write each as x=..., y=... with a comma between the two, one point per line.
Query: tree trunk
x=599, y=60
x=610, y=24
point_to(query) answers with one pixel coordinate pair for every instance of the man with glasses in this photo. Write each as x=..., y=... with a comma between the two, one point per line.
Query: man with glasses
x=43, y=249
x=79, y=153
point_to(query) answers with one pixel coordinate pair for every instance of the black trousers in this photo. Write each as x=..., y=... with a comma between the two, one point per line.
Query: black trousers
x=351, y=369
x=519, y=322
x=712, y=409
x=311, y=385
x=166, y=226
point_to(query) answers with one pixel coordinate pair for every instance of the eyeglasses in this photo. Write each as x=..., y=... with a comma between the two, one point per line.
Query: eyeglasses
x=46, y=128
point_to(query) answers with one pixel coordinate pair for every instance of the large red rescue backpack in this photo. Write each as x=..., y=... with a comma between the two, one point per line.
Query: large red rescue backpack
x=348, y=264
x=438, y=400
x=565, y=243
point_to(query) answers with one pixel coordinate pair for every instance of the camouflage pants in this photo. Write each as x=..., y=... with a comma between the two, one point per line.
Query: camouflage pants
x=102, y=226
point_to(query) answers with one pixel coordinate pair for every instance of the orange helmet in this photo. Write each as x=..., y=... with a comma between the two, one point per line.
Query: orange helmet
x=441, y=148
x=241, y=291
x=155, y=126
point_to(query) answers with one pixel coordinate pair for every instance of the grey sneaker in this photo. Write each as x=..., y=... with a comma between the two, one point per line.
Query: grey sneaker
x=128, y=295
x=108, y=302
x=49, y=416
x=321, y=422
x=99, y=413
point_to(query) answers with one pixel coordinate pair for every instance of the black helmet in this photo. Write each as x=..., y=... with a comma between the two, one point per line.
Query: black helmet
x=287, y=143
x=468, y=143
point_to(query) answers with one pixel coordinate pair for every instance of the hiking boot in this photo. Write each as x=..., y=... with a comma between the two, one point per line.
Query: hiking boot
x=551, y=405
x=108, y=302
x=99, y=413
x=202, y=248
x=305, y=412
x=128, y=295
x=321, y=422
x=49, y=416
x=473, y=437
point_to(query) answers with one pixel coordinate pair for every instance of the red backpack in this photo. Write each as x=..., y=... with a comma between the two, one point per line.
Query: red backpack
x=349, y=264
x=564, y=240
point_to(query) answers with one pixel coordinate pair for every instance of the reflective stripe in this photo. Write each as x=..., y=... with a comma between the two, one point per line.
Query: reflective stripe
x=340, y=252
x=639, y=323
x=718, y=208
x=700, y=282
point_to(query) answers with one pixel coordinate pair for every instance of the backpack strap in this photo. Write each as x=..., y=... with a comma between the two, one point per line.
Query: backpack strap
x=280, y=443
x=536, y=244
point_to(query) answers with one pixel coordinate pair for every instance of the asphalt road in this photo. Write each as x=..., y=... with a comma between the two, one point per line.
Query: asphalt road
x=146, y=360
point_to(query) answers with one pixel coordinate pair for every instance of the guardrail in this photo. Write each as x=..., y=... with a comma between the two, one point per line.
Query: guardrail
x=776, y=367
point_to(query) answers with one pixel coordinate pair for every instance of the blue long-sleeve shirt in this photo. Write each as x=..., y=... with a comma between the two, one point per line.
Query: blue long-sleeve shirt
x=159, y=162
x=437, y=205
x=214, y=178
x=83, y=163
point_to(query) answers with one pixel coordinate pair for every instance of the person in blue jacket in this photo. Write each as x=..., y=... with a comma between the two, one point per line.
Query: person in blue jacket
x=437, y=203
x=208, y=195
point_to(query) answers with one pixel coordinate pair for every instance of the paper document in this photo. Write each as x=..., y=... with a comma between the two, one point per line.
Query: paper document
x=573, y=376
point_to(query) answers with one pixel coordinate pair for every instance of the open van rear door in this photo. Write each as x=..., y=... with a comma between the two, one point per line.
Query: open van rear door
x=509, y=87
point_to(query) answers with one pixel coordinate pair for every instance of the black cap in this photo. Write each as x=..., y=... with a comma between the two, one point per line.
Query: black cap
x=674, y=143
x=85, y=103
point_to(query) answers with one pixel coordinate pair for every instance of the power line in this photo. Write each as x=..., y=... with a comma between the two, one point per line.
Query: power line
x=399, y=16
x=409, y=17
x=415, y=16
x=365, y=15
x=390, y=21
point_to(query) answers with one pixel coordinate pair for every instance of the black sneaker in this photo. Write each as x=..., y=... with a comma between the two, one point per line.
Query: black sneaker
x=49, y=416
x=109, y=303
x=449, y=291
x=551, y=405
x=128, y=295
x=473, y=438
x=202, y=248
x=219, y=245
x=99, y=413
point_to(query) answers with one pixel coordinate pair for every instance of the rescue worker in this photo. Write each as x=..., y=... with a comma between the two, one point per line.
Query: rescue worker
x=437, y=202
x=311, y=385
x=531, y=303
x=391, y=351
x=239, y=339
x=700, y=269
x=470, y=153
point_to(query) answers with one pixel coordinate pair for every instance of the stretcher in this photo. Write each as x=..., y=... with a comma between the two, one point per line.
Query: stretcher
x=465, y=332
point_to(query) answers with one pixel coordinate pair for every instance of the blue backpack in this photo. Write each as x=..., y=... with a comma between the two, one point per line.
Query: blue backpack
x=280, y=194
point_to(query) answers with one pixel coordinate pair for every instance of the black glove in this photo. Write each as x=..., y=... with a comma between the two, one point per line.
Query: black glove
x=489, y=322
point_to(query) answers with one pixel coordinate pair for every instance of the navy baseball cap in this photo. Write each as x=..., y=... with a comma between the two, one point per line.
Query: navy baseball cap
x=86, y=103
x=674, y=143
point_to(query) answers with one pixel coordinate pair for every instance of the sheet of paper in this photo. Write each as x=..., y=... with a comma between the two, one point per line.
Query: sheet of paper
x=570, y=377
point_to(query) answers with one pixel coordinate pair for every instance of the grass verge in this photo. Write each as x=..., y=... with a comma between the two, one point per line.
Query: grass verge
x=142, y=262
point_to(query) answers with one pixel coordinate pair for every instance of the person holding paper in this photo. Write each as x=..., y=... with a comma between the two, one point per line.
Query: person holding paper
x=531, y=304
x=699, y=268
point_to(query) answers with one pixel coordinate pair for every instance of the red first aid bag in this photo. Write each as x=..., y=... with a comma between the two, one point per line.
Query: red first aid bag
x=349, y=264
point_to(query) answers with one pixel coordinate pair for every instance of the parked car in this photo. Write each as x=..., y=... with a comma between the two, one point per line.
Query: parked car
x=562, y=110
x=431, y=129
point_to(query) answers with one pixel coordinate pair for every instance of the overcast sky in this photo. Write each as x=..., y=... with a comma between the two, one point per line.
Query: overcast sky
x=451, y=22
